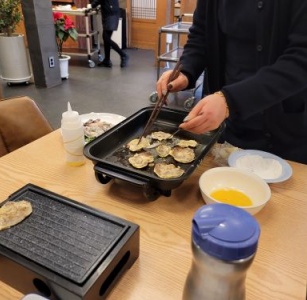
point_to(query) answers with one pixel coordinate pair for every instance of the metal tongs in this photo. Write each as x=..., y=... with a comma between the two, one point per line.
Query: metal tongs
x=161, y=101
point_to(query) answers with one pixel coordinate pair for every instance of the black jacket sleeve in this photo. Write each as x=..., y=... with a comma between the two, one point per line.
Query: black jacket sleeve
x=95, y=3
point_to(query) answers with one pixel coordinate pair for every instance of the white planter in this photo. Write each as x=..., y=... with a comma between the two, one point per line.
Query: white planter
x=64, y=64
x=14, y=64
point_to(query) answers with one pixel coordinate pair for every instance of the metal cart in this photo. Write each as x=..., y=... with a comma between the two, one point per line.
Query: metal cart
x=188, y=97
x=172, y=55
x=89, y=14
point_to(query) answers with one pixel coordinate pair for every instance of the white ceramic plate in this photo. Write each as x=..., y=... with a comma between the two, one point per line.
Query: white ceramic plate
x=286, y=171
x=106, y=117
x=112, y=119
x=33, y=297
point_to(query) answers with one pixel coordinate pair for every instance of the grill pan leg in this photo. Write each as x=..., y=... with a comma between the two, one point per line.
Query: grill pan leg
x=152, y=193
x=104, y=179
x=149, y=190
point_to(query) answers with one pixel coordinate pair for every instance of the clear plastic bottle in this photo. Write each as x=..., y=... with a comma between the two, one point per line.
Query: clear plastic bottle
x=73, y=137
x=224, y=243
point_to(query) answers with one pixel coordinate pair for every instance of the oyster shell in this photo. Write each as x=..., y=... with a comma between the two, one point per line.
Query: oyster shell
x=134, y=145
x=141, y=160
x=160, y=135
x=167, y=171
x=183, y=155
x=187, y=143
x=13, y=212
x=163, y=150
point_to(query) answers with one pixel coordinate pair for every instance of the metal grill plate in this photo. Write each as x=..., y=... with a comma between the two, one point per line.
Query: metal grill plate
x=68, y=239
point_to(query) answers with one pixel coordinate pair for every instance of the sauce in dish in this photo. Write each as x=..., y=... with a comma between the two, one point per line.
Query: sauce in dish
x=232, y=197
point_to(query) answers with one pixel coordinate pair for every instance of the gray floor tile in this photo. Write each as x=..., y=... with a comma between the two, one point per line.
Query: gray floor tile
x=118, y=90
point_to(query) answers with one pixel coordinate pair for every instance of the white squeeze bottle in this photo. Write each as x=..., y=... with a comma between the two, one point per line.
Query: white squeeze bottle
x=73, y=137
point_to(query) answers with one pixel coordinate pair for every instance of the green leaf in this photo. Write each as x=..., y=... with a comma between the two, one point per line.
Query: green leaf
x=10, y=15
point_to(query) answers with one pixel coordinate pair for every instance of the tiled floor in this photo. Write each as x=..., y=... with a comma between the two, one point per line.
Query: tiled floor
x=118, y=90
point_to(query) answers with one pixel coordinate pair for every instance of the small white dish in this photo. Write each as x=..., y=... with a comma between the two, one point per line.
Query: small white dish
x=92, y=133
x=229, y=178
x=33, y=297
x=238, y=159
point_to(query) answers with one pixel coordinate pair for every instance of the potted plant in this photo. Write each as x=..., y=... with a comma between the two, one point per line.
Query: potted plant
x=12, y=46
x=64, y=29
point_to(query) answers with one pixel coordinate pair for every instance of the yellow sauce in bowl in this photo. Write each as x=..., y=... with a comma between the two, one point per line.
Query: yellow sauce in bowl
x=232, y=197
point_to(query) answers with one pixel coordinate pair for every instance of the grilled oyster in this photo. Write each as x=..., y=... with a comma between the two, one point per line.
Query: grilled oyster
x=141, y=160
x=134, y=145
x=160, y=135
x=163, y=150
x=167, y=171
x=183, y=155
x=187, y=143
x=13, y=212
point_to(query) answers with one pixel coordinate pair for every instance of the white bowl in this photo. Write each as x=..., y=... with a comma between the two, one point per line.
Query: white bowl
x=233, y=178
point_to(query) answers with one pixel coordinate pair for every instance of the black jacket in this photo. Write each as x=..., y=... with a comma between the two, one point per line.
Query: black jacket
x=278, y=89
x=110, y=12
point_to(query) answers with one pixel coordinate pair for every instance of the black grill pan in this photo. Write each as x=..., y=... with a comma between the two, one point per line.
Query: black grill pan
x=65, y=241
x=110, y=154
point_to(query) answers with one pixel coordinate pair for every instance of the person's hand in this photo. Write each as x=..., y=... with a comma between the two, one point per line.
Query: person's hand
x=162, y=86
x=208, y=114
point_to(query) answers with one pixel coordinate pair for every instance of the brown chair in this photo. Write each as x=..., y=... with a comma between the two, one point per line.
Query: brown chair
x=21, y=122
x=1, y=91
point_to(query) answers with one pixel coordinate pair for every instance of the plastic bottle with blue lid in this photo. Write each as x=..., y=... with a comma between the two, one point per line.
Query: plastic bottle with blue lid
x=224, y=244
x=72, y=131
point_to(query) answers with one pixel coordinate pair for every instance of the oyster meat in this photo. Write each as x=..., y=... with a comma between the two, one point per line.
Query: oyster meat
x=187, y=143
x=94, y=128
x=134, y=145
x=160, y=135
x=13, y=212
x=167, y=171
x=163, y=150
x=183, y=155
x=141, y=160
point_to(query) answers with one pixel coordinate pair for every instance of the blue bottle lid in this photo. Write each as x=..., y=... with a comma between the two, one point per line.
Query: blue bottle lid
x=225, y=231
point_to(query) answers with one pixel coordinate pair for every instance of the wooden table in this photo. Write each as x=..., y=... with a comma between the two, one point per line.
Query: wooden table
x=278, y=271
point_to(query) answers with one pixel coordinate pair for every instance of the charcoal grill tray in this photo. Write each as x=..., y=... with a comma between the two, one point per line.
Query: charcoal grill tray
x=109, y=153
x=61, y=235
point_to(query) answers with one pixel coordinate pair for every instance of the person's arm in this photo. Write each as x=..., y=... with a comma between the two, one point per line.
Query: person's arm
x=284, y=78
x=208, y=114
x=179, y=84
x=193, y=59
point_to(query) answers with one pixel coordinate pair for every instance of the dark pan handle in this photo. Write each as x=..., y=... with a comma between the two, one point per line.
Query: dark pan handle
x=104, y=175
x=134, y=179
